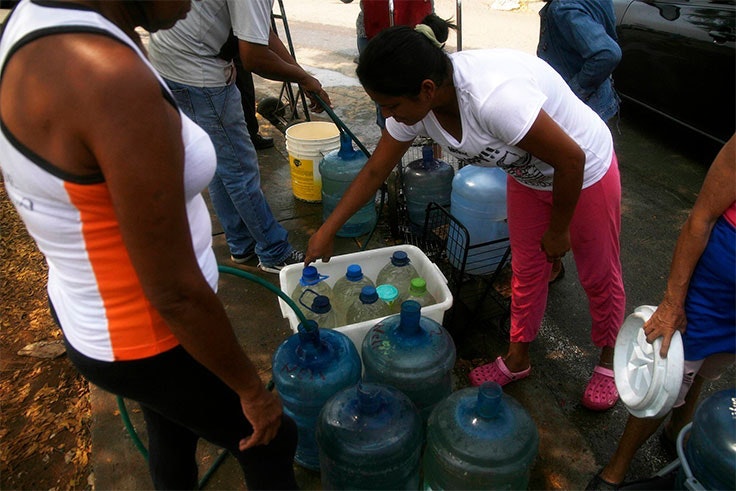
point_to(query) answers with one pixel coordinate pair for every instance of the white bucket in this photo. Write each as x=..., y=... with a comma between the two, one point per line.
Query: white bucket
x=306, y=144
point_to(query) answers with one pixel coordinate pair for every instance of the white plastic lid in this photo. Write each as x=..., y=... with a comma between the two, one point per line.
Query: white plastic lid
x=647, y=383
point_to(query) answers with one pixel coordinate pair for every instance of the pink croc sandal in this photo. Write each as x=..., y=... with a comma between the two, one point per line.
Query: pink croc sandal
x=496, y=372
x=601, y=393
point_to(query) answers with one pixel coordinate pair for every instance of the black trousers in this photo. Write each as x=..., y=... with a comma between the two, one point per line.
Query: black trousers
x=182, y=401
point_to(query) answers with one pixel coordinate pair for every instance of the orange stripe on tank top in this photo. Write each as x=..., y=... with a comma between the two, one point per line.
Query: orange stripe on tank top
x=136, y=329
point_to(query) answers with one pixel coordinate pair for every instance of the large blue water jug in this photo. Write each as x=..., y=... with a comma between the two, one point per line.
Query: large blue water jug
x=479, y=438
x=413, y=353
x=426, y=180
x=369, y=437
x=308, y=368
x=338, y=169
x=479, y=203
x=709, y=456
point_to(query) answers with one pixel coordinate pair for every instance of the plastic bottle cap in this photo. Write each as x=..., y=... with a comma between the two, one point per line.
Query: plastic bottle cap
x=310, y=273
x=368, y=294
x=354, y=273
x=418, y=285
x=321, y=304
x=647, y=383
x=387, y=293
x=400, y=258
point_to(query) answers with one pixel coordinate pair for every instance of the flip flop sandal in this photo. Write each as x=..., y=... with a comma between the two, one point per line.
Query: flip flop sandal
x=601, y=393
x=496, y=372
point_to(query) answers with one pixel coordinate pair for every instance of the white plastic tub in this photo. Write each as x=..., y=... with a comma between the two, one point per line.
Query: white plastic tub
x=371, y=263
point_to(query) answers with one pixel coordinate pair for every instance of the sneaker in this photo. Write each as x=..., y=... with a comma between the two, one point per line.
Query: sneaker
x=242, y=258
x=262, y=142
x=295, y=257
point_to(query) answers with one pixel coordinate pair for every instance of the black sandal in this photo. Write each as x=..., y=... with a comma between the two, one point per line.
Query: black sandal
x=600, y=484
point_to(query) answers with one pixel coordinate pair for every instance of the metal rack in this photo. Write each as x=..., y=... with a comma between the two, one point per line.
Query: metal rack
x=480, y=293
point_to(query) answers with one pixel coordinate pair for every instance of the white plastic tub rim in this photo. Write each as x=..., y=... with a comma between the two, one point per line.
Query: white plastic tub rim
x=371, y=262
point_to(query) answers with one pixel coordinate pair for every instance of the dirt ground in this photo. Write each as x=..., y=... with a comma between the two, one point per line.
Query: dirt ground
x=44, y=404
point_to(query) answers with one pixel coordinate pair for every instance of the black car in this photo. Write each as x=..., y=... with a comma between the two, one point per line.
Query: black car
x=679, y=59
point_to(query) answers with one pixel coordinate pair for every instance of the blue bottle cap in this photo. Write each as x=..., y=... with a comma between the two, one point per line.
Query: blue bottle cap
x=368, y=294
x=354, y=273
x=387, y=293
x=400, y=258
x=321, y=304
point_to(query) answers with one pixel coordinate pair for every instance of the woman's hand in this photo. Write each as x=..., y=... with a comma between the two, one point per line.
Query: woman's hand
x=264, y=411
x=555, y=245
x=668, y=318
x=320, y=246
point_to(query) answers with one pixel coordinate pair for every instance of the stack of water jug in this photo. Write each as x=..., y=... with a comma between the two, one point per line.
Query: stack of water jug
x=366, y=424
x=475, y=196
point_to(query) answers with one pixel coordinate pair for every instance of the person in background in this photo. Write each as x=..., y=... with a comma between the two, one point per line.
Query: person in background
x=203, y=85
x=578, y=39
x=698, y=302
x=375, y=16
x=109, y=187
x=507, y=109
x=244, y=82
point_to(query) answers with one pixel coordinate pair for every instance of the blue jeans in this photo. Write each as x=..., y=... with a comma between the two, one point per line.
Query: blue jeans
x=235, y=189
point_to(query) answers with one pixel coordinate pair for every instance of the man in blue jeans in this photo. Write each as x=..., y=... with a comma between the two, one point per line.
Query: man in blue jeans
x=204, y=87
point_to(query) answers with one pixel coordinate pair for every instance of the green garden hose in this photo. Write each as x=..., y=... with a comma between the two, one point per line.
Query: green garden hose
x=121, y=402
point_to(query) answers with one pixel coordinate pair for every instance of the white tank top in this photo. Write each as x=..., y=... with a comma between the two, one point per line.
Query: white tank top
x=92, y=284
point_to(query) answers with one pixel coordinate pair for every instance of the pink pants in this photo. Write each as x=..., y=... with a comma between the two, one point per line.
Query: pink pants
x=594, y=234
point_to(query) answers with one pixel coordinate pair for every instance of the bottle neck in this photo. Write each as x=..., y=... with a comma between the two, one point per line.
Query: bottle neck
x=409, y=318
x=490, y=398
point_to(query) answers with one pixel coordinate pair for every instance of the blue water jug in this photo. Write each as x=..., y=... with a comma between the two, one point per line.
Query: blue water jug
x=338, y=169
x=415, y=354
x=308, y=368
x=426, y=180
x=479, y=438
x=369, y=437
x=709, y=457
x=478, y=201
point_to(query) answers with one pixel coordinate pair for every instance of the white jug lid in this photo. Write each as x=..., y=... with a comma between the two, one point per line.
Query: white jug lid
x=647, y=383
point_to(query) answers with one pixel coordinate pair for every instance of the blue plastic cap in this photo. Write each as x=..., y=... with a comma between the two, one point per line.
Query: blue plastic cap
x=400, y=258
x=427, y=153
x=354, y=273
x=388, y=293
x=321, y=304
x=368, y=294
x=310, y=273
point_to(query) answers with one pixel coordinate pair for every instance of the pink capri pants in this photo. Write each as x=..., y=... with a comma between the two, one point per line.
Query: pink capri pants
x=594, y=234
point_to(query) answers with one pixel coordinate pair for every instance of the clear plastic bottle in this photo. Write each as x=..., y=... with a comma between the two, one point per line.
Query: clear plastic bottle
x=389, y=295
x=397, y=272
x=367, y=306
x=312, y=280
x=426, y=180
x=418, y=292
x=347, y=290
x=318, y=310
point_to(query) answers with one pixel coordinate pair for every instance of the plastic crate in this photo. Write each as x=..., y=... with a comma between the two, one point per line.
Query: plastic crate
x=371, y=263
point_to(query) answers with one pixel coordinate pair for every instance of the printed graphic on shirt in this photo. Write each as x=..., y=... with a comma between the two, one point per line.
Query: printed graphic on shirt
x=517, y=164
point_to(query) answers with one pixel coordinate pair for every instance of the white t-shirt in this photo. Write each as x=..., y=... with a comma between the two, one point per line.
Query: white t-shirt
x=187, y=53
x=500, y=93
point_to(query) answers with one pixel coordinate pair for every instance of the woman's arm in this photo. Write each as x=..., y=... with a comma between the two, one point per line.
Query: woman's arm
x=387, y=154
x=716, y=195
x=548, y=142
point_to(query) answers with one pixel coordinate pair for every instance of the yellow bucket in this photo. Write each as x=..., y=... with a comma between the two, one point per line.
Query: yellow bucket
x=307, y=143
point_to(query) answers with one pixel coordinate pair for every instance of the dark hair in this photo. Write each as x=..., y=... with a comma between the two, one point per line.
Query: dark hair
x=398, y=59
